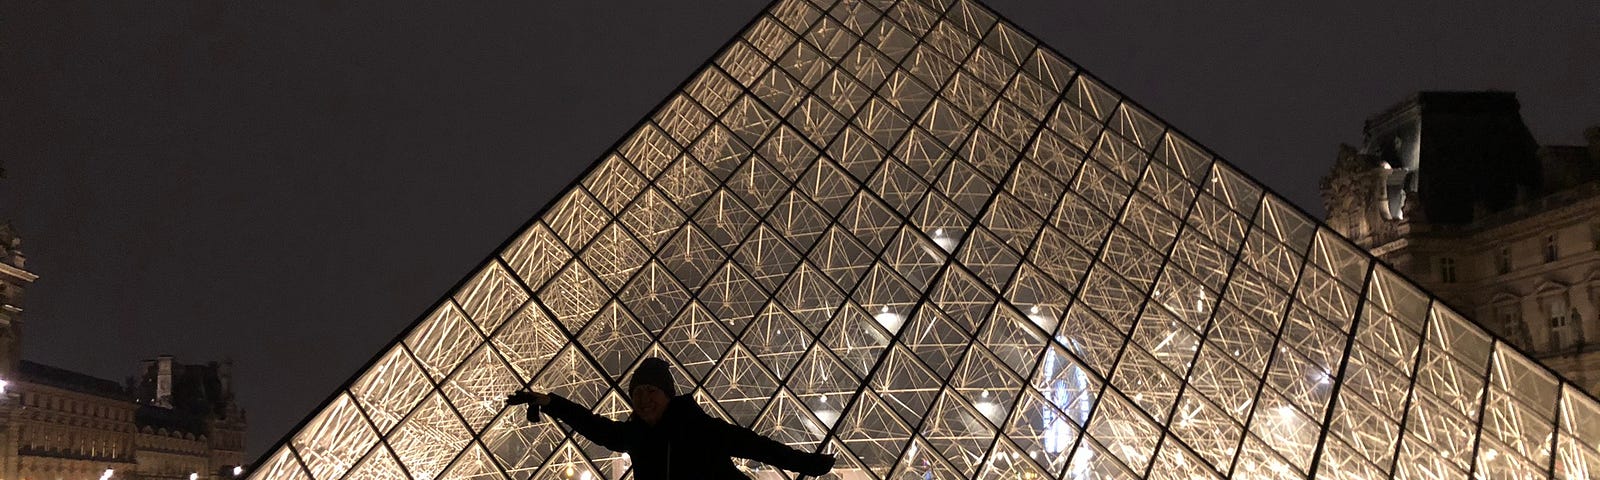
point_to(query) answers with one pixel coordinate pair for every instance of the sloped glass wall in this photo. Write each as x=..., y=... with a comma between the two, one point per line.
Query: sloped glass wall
x=906, y=233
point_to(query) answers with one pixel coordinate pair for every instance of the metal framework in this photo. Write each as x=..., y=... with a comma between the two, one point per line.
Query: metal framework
x=907, y=233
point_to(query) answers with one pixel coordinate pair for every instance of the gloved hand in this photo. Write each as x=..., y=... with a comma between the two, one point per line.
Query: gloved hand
x=816, y=464
x=520, y=397
x=533, y=400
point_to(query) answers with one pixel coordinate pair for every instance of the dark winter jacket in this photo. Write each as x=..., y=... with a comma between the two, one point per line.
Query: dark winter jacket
x=686, y=444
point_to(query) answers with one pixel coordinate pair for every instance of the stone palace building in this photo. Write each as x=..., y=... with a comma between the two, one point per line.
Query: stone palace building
x=169, y=421
x=1451, y=189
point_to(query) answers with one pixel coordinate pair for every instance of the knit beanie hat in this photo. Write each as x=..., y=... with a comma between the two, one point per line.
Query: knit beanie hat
x=653, y=371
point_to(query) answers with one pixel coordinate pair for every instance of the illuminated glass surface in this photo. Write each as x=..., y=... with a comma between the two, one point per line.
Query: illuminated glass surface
x=905, y=232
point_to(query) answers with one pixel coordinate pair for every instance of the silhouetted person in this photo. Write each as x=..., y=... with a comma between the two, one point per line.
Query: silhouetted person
x=669, y=437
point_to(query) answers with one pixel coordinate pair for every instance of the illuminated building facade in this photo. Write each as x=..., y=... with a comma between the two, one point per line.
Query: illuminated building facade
x=1495, y=225
x=57, y=424
x=905, y=232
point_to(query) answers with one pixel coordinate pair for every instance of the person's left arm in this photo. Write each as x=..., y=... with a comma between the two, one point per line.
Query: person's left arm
x=744, y=443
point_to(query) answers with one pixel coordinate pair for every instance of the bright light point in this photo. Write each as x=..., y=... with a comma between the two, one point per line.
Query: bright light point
x=944, y=241
x=108, y=473
x=238, y=470
x=1041, y=318
x=584, y=476
x=891, y=321
x=194, y=476
x=828, y=416
x=985, y=394
x=1491, y=454
x=1286, y=412
x=3, y=385
x=991, y=410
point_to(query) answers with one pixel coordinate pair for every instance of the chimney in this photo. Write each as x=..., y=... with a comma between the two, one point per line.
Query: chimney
x=164, y=381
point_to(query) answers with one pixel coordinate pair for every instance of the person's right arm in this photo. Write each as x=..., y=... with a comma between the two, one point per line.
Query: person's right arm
x=600, y=430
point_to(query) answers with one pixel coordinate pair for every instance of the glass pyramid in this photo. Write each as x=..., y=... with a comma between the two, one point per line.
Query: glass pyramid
x=907, y=233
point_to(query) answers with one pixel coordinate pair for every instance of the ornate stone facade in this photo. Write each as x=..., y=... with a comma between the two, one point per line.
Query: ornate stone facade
x=67, y=425
x=1525, y=258
x=57, y=424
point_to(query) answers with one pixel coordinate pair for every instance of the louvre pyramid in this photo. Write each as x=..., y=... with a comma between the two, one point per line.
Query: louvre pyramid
x=907, y=233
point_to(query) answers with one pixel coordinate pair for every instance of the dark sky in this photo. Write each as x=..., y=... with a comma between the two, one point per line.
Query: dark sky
x=290, y=183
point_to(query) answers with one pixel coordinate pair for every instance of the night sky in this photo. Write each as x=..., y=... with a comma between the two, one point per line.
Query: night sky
x=291, y=183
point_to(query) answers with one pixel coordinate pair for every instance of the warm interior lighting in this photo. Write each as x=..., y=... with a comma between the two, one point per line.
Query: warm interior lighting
x=663, y=250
